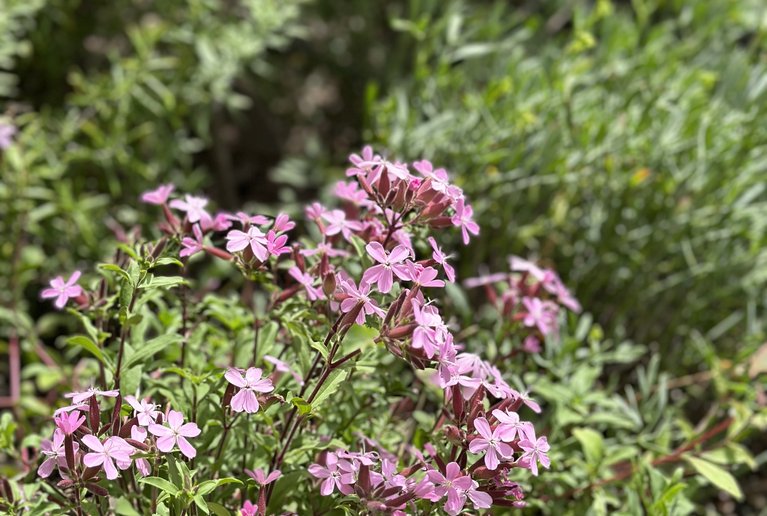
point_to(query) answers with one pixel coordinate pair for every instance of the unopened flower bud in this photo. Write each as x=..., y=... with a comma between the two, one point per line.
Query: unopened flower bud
x=453, y=434
x=440, y=222
x=402, y=331
x=218, y=253
x=89, y=473
x=384, y=184
x=329, y=284
x=137, y=444
x=94, y=413
x=96, y=489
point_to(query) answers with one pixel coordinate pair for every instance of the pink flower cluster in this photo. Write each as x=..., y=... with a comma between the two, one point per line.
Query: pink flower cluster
x=384, y=488
x=530, y=296
x=80, y=427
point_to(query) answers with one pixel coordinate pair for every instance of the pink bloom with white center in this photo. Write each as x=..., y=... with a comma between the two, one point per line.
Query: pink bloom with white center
x=422, y=276
x=175, y=434
x=194, y=207
x=105, y=454
x=388, y=263
x=431, y=330
x=463, y=219
x=255, y=239
x=511, y=427
x=455, y=376
x=53, y=450
x=69, y=422
x=70, y=408
x=146, y=412
x=518, y=264
x=62, y=290
x=282, y=223
x=359, y=295
x=337, y=474
x=275, y=244
x=190, y=245
x=262, y=478
x=250, y=383
x=305, y=279
x=453, y=484
x=338, y=223
x=158, y=196
x=491, y=442
x=80, y=397
x=391, y=477
x=441, y=258
x=535, y=452
x=527, y=400
x=248, y=509
x=541, y=314
x=283, y=367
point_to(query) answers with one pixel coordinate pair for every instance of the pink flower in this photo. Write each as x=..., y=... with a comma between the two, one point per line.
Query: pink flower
x=422, y=276
x=518, y=264
x=282, y=223
x=324, y=248
x=441, y=258
x=53, y=450
x=250, y=383
x=527, y=400
x=283, y=367
x=146, y=412
x=275, y=244
x=388, y=263
x=7, y=131
x=463, y=219
x=80, y=397
x=63, y=291
x=261, y=478
x=338, y=473
x=486, y=279
x=491, y=443
x=364, y=163
x=337, y=223
x=246, y=220
x=480, y=499
x=350, y=192
x=511, y=427
x=357, y=295
x=248, y=509
x=158, y=196
x=137, y=433
x=69, y=422
x=315, y=211
x=254, y=238
x=541, y=314
x=438, y=178
x=190, y=245
x=453, y=484
x=194, y=207
x=221, y=222
x=105, y=454
x=175, y=434
x=535, y=452
x=312, y=292
x=430, y=331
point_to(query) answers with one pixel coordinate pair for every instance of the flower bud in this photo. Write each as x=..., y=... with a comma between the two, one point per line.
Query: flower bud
x=69, y=452
x=63, y=484
x=402, y=331
x=125, y=430
x=384, y=184
x=453, y=434
x=94, y=413
x=96, y=489
x=137, y=444
x=218, y=253
x=329, y=284
x=89, y=473
x=228, y=393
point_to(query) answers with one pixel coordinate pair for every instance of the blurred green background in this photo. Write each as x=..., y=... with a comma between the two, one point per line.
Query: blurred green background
x=621, y=142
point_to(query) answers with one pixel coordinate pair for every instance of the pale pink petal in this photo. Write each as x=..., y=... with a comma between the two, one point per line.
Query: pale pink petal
x=483, y=428
x=166, y=443
x=189, y=430
x=93, y=460
x=235, y=378
x=186, y=448
x=92, y=442
x=109, y=469
x=159, y=430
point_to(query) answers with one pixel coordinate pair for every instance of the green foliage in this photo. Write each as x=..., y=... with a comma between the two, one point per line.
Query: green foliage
x=624, y=145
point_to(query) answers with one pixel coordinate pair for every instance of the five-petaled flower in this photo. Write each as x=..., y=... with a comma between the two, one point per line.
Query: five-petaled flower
x=337, y=473
x=62, y=290
x=159, y=195
x=388, y=263
x=312, y=292
x=53, y=450
x=80, y=397
x=105, y=454
x=250, y=383
x=463, y=219
x=69, y=422
x=255, y=239
x=175, y=434
x=194, y=207
x=534, y=452
x=146, y=412
x=491, y=442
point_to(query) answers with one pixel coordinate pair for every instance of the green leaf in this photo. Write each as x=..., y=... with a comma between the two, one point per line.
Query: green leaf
x=164, y=281
x=124, y=508
x=111, y=267
x=218, y=509
x=151, y=347
x=331, y=385
x=302, y=405
x=592, y=443
x=717, y=476
x=91, y=347
x=167, y=260
x=200, y=502
x=161, y=484
x=209, y=485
